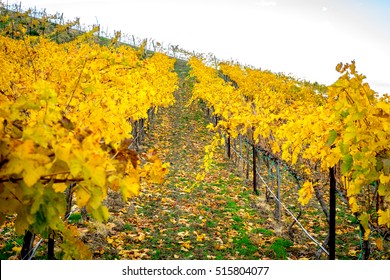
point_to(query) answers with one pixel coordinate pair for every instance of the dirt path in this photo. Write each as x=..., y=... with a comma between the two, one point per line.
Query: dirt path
x=219, y=218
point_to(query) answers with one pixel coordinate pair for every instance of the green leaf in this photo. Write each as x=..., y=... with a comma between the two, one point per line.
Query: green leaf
x=331, y=138
x=383, y=190
x=38, y=198
x=344, y=113
x=350, y=134
x=364, y=221
x=344, y=148
x=386, y=166
x=101, y=213
x=364, y=218
x=346, y=164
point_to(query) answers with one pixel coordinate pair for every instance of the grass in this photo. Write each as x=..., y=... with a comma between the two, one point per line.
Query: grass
x=8, y=249
x=279, y=248
x=75, y=218
x=263, y=231
x=245, y=246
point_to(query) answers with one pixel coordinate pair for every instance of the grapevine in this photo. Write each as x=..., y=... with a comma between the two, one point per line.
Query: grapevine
x=310, y=127
x=66, y=116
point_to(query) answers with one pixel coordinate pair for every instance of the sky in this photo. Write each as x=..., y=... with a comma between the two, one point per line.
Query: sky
x=303, y=38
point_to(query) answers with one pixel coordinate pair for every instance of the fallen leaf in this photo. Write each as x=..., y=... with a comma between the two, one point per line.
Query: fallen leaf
x=379, y=243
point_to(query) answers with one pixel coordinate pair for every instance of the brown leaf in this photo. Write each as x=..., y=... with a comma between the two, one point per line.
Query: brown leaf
x=124, y=154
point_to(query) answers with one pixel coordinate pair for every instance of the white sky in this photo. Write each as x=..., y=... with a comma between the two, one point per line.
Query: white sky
x=305, y=38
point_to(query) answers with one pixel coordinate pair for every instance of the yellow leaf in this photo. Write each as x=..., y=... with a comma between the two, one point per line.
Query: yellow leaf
x=129, y=187
x=25, y=161
x=201, y=237
x=352, y=252
x=14, y=166
x=101, y=213
x=63, y=151
x=10, y=195
x=32, y=173
x=141, y=237
x=305, y=193
x=200, y=176
x=384, y=217
x=26, y=148
x=384, y=179
x=99, y=176
x=353, y=204
x=82, y=196
x=186, y=245
x=295, y=155
x=60, y=187
x=275, y=147
x=156, y=171
x=17, y=249
x=355, y=186
x=75, y=167
x=220, y=247
x=210, y=126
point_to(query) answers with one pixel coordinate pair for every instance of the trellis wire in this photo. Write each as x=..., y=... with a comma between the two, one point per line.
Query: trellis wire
x=34, y=250
x=287, y=210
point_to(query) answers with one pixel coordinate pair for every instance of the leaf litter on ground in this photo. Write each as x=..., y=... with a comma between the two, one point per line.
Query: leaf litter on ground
x=183, y=218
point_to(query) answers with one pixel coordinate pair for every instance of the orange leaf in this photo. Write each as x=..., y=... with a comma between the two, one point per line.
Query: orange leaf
x=379, y=243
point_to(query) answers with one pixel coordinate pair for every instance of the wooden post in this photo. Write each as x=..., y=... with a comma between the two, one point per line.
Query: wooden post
x=150, y=115
x=69, y=196
x=247, y=160
x=28, y=240
x=228, y=147
x=50, y=247
x=254, y=169
x=278, y=209
x=332, y=214
x=269, y=179
x=241, y=156
x=259, y=163
x=142, y=130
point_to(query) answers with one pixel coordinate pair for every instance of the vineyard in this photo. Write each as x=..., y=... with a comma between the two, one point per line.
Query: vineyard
x=113, y=151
